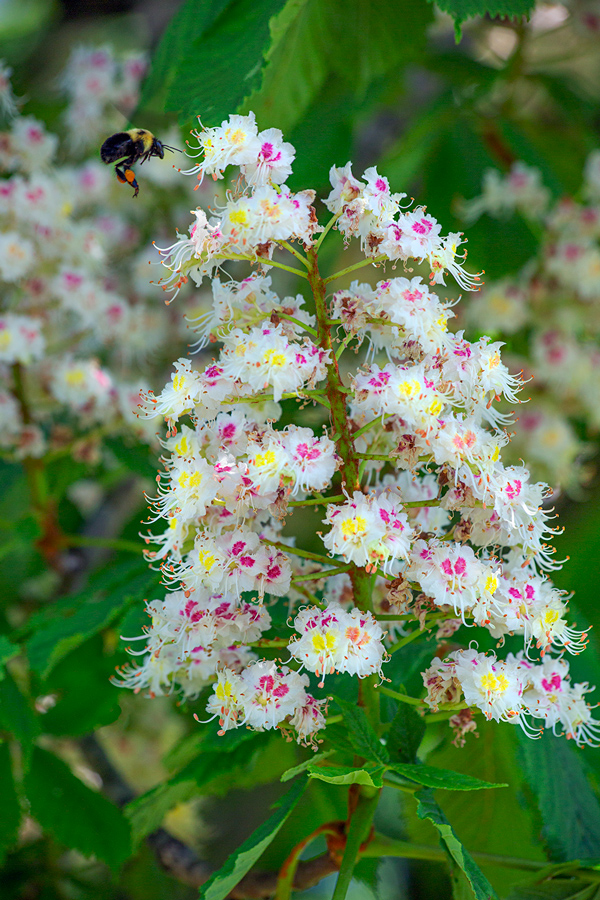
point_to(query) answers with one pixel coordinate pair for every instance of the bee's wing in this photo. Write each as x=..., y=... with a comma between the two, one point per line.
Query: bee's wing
x=115, y=148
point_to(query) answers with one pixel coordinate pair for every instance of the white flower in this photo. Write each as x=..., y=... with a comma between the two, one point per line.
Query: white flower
x=21, y=339
x=334, y=640
x=234, y=143
x=17, y=256
x=273, y=162
x=494, y=686
x=310, y=459
x=345, y=188
x=368, y=531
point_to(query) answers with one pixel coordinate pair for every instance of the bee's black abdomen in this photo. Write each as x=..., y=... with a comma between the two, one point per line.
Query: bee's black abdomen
x=116, y=147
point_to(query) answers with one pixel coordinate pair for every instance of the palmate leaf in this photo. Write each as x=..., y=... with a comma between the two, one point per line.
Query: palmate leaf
x=8, y=651
x=296, y=65
x=429, y=809
x=557, y=889
x=147, y=812
x=432, y=777
x=370, y=775
x=17, y=715
x=188, y=24
x=405, y=734
x=85, y=699
x=240, y=862
x=369, y=38
x=361, y=733
x=11, y=811
x=224, y=65
x=467, y=9
x=306, y=764
x=563, y=802
x=74, y=814
x=96, y=610
x=275, y=56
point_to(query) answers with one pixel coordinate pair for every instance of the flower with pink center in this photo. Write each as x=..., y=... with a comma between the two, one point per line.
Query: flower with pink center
x=273, y=163
x=311, y=460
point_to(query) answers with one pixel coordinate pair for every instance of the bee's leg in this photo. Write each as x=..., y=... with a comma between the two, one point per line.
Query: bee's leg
x=121, y=174
x=129, y=177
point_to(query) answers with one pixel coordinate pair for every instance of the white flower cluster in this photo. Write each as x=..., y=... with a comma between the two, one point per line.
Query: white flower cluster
x=368, y=210
x=551, y=310
x=78, y=333
x=521, y=189
x=407, y=469
x=536, y=696
x=266, y=213
x=100, y=87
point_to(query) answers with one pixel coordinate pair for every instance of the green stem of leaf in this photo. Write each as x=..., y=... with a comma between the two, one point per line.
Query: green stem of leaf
x=318, y=501
x=305, y=554
x=265, y=262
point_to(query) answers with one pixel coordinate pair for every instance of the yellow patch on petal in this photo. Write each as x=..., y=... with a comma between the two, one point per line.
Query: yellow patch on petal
x=495, y=684
x=353, y=527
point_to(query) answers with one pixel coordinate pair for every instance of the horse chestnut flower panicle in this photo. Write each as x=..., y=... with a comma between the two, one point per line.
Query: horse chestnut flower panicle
x=405, y=463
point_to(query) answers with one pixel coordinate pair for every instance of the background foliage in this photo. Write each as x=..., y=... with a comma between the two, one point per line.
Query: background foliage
x=90, y=780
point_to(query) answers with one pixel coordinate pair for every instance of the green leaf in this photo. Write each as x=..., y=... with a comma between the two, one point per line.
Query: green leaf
x=330, y=116
x=59, y=637
x=224, y=65
x=441, y=778
x=370, y=775
x=557, y=889
x=188, y=24
x=306, y=764
x=16, y=714
x=296, y=65
x=240, y=862
x=85, y=697
x=405, y=159
x=75, y=815
x=368, y=38
x=11, y=811
x=7, y=651
x=147, y=812
x=361, y=733
x=429, y=809
x=568, y=811
x=480, y=817
x=467, y=9
x=405, y=734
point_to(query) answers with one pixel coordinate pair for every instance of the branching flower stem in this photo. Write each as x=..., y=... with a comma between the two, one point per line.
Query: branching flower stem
x=299, y=256
x=326, y=231
x=362, y=583
x=359, y=265
x=298, y=322
x=264, y=262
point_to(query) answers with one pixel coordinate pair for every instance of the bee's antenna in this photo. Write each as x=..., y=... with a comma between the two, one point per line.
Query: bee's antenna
x=166, y=147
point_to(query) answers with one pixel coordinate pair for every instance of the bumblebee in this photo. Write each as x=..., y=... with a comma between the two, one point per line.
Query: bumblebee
x=128, y=147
